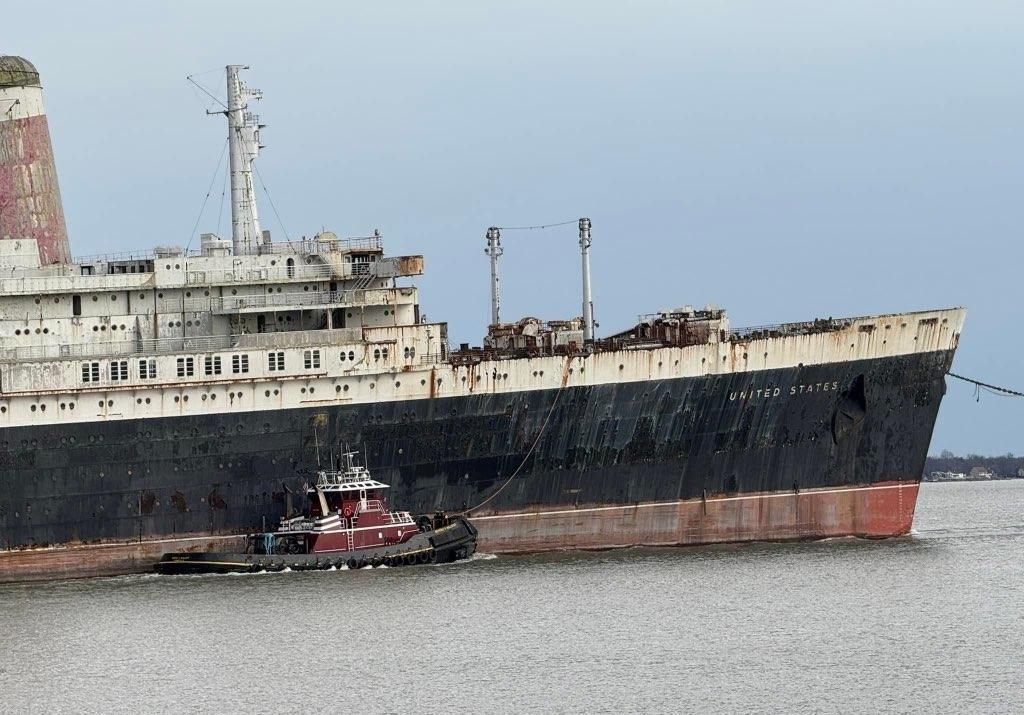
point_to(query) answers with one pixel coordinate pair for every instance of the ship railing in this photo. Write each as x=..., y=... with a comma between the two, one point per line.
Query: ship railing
x=398, y=518
x=257, y=274
x=809, y=327
x=196, y=344
x=330, y=479
x=315, y=246
x=298, y=524
x=124, y=256
x=370, y=505
x=230, y=303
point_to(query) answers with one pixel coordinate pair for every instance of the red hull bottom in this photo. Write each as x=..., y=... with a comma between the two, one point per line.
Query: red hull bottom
x=873, y=511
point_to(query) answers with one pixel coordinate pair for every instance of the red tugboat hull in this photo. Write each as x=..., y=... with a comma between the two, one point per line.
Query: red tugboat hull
x=453, y=541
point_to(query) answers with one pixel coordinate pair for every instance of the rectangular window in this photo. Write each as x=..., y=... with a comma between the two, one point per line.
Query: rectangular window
x=118, y=369
x=186, y=367
x=275, y=361
x=211, y=365
x=311, y=359
x=239, y=364
x=147, y=368
x=90, y=372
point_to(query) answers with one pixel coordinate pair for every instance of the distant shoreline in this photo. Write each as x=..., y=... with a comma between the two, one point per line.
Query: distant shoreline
x=948, y=467
x=947, y=480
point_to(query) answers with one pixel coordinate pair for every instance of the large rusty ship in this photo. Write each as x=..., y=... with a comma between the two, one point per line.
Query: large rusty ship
x=173, y=400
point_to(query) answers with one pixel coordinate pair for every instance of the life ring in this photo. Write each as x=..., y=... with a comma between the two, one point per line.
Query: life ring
x=347, y=511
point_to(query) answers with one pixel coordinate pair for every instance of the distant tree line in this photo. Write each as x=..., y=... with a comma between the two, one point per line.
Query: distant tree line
x=1004, y=466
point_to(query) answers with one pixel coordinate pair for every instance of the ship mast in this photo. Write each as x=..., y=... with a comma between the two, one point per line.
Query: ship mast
x=588, y=300
x=494, y=250
x=243, y=145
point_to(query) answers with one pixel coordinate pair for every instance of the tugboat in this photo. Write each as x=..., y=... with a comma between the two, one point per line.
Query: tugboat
x=347, y=524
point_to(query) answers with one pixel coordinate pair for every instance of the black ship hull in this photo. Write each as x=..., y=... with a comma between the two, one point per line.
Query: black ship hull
x=695, y=439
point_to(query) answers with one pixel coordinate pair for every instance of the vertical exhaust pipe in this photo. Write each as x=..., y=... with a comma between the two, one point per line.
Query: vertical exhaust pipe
x=588, y=300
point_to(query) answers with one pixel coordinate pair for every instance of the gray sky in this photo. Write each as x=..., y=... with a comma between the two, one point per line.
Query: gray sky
x=785, y=160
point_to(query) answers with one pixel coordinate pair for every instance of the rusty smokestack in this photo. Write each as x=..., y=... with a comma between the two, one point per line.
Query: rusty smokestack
x=30, y=204
x=588, y=300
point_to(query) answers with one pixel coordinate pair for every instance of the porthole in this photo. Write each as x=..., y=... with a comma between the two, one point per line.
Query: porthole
x=110, y=403
x=113, y=297
x=95, y=298
x=147, y=401
x=345, y=388
x=277, y=392
x=371, y=385
x=33, y=408
x=185, y=398
x=337, y=388
x=398, y=383
x=267, y=393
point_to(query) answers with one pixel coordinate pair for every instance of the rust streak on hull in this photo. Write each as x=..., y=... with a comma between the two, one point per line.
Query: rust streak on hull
x=871, y=511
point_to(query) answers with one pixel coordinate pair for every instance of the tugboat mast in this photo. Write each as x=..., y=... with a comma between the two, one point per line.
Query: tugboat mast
x=243, y=146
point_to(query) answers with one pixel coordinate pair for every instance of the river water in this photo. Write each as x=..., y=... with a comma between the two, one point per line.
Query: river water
x=930, y=623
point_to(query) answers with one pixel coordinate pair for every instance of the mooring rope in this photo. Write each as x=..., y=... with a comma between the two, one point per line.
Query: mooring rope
x=536, y=440
x=995, y=389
